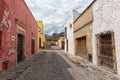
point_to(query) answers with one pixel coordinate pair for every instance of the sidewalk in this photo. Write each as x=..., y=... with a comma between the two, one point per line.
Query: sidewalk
x=81, y=62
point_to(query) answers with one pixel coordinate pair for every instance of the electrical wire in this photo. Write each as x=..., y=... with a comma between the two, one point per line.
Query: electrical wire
x=52, y=4
x=48, y=3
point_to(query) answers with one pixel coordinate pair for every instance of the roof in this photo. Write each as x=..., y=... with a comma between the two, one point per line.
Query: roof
x=75, y=15
x=85, y=10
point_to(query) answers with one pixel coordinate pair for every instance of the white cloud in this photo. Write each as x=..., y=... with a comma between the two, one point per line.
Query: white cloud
x=55, y=12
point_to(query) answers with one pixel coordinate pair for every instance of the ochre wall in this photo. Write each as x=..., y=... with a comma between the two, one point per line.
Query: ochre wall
x=83, y=27
x=42, y=36
x=86, y=31
x=84, y=18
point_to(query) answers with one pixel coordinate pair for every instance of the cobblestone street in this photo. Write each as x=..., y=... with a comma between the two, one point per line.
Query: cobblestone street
x=52, y=64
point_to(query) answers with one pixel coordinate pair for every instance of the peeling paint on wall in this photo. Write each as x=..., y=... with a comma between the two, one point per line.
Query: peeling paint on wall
x=12, y=51
x=10, y=11
x=6, y=21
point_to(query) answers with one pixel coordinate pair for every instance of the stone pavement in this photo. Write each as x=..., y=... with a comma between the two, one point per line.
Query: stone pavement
x=52, y=64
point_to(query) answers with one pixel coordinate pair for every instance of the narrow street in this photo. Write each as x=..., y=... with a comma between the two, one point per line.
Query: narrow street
x=52, y=64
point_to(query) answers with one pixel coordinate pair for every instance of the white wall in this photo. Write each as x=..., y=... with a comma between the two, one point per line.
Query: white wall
x=70, y=34
x=70, y=37
x=106, y=15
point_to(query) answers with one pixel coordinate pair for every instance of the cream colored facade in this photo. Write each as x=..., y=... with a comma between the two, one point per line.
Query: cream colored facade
x=83, y=34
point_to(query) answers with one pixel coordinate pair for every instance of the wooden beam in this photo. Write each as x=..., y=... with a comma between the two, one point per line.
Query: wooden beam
x=113, y=53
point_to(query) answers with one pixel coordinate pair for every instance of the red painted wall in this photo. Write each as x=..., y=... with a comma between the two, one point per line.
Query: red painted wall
x=12, y=10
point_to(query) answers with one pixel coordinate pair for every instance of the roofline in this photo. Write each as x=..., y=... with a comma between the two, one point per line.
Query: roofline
x=30, y=12
x=85, y=10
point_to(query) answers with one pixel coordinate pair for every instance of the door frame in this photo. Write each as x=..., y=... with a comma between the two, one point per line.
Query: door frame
x=20, y=29
x=23, y=46
x=86, y=44
x=113, y=48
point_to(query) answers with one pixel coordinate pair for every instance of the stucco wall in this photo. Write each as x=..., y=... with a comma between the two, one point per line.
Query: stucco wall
x=107, y=18
x=84, y=18
x=85, y=31
x=15, y=10
x=70, y=36
x=83, y=27
x=8, y=48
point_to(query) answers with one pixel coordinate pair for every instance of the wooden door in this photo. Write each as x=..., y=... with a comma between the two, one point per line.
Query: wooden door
x=20, y=48
x=33, y=46
x=81, y=45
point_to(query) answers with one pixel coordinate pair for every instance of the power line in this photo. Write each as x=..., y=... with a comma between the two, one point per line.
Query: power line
x=52, y=5
x=48, y=3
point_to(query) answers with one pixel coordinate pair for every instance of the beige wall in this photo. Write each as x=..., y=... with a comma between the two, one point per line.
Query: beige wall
x=83, y=27
x=86, y=31
x=85, y=18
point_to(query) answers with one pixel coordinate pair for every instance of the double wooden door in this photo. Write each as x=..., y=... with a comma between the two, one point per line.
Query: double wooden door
x=81, y=47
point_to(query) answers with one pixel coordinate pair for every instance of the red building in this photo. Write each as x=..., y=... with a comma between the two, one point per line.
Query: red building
x=18, y=33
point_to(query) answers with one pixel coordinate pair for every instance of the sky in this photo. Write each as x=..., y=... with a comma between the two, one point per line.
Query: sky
x=54, y=13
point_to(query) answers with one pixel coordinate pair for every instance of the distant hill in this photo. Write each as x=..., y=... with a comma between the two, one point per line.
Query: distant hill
x=54, y=36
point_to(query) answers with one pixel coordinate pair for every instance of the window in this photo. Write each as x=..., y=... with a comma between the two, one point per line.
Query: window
x=65, y=32
x=0, y=40
x=70, y=26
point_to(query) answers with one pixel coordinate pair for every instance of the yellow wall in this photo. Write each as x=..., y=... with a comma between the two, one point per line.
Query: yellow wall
x=38, y=39
x=41, y=26
x=41, y=34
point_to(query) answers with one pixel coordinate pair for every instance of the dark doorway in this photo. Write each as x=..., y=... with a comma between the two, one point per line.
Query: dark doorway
x=63, y=44
x=39, y=43
x=33, y=46
x=5, y=65
x=20, y=47
x=81, y=47
x=67, y=44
